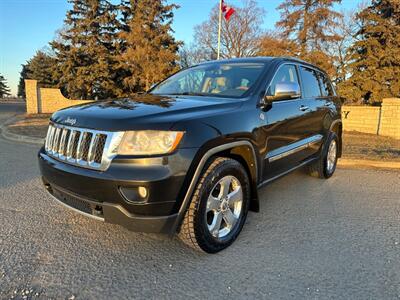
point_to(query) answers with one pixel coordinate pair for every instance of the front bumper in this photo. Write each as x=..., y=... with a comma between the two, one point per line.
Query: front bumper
x=112, y=195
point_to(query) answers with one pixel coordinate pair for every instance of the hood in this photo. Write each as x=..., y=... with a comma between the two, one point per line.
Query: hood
x=142, y=112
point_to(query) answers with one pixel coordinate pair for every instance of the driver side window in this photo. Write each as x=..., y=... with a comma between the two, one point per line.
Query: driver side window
x=285, y=74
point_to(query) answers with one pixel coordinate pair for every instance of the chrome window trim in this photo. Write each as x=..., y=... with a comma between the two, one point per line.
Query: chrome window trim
x=297, y=64
x=294, y=148
x=109, y=152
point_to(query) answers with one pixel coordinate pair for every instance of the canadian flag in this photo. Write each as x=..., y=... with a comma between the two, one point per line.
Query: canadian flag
x=227, y=10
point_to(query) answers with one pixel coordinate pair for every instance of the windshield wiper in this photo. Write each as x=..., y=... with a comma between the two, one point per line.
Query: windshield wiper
x=188, y=94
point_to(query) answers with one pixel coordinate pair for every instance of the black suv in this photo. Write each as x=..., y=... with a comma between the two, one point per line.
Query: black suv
x=189, y=156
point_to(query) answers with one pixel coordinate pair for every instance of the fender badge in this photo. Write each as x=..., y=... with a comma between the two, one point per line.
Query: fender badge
x=262, y=117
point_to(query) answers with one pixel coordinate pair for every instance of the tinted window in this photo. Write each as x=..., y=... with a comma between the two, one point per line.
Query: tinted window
x=216, y=79
x=286, y=73
x=310, y=82
x=326, y=86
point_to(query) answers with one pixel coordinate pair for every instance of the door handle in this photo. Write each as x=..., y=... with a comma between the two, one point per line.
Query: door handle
x=304, y=108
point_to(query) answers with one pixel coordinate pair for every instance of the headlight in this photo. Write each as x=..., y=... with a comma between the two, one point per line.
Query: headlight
x=149, y=142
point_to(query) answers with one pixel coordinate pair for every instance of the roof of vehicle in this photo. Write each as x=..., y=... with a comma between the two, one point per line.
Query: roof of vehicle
x=263, y=59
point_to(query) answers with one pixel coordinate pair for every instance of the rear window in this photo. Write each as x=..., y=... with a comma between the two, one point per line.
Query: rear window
x=326, y=86
x=310, y=82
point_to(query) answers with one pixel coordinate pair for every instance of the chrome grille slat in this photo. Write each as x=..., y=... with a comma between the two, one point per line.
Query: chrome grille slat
x=79, y=146
x=56, y=141
x=51, y=142
x=49, y=137
x=61, y=147
x=82, y=147
x=92, y=148
x=71, y=138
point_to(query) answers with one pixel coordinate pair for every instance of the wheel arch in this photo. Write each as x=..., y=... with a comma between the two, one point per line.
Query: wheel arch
x=337, y=128
x=246, y=157
x=242, y=151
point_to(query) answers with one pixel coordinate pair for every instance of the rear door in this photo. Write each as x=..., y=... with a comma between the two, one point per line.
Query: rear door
x=315, y=107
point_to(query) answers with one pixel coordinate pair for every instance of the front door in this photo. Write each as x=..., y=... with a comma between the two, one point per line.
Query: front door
x=286, y=127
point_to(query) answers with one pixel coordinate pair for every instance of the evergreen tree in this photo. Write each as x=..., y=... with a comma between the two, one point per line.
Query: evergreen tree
x=148, y=49
x=375, y=67
x=305, y=31
x=4, y=89
x=85, y=50
x=40, y=67
x=307, y=22
x=21, y=84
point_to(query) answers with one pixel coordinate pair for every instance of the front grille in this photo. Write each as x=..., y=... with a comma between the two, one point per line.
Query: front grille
x=82, y=147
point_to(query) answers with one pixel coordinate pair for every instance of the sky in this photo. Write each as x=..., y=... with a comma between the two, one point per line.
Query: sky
x=29, y=25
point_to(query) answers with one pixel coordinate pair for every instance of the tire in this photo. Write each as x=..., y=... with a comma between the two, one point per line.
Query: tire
x=210, y=204
x=325, y=166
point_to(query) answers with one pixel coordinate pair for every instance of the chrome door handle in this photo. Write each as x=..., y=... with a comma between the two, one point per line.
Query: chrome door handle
x=304, y=108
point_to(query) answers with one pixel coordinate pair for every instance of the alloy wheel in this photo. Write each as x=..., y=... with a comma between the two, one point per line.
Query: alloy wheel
x=331, y=156
x=224, y=206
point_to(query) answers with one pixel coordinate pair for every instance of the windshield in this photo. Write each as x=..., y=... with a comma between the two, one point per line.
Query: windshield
x=217, y=79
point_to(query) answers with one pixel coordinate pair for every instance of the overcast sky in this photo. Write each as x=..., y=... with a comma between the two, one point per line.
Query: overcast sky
x=28, y=25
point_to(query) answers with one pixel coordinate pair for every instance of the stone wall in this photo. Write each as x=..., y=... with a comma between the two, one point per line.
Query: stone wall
x=361, y=118
x=390, y=118
x=46, y=100
x=383, y=120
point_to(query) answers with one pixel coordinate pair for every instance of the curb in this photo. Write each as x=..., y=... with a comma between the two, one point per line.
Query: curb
x=368, y=164
x=6, y=134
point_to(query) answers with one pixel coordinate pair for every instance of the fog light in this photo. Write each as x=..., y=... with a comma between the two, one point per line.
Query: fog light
x=142, y=192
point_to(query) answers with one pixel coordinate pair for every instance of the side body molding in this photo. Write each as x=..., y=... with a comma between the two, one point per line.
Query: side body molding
x=199, y=169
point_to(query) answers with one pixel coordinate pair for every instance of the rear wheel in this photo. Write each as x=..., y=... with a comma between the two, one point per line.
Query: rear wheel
x=325, y=166
x=219, y=206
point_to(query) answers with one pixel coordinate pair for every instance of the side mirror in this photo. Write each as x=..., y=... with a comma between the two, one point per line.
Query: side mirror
x=285, y=91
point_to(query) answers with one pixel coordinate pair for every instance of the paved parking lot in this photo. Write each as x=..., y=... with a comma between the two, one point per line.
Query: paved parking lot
x=312, y=239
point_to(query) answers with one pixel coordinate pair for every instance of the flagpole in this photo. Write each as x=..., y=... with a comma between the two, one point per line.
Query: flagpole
x=219, y=28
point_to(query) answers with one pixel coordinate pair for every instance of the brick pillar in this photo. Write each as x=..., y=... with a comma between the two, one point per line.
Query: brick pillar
x=390, y=118
x=32, y=96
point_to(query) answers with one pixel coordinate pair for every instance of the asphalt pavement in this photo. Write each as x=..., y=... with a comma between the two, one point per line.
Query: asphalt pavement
x=313, y=239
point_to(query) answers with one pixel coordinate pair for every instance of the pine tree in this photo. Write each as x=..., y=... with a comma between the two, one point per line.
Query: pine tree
x=148, y=49
x=307, y=22
x=4, y=89
x=21, y=84
x=41, y=67
x=85, y=50
x=305, y=31
x=375, y=70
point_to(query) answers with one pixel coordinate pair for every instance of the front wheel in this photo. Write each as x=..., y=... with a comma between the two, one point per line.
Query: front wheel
x=219, y=206
x=325, y=166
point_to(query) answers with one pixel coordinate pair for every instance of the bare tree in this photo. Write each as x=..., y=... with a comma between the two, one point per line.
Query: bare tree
x=192, y=55
x=346, y=30
x=239, y=36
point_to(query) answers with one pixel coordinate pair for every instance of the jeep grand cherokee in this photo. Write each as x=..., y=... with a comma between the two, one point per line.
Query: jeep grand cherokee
x=189, y=156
